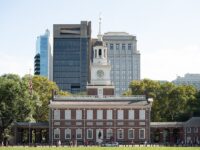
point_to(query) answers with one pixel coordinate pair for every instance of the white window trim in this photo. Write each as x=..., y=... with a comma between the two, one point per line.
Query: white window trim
x=107, y=133
x=131, y=117
x=80, y=115
x=118, y=133
x=100, y=118
x=56, y=111
x=55, y=134
x=69, y=133
x=133, y=131
x=140, y=114
x=80, y=132
x=89, y=114
x=139, y=133
x=88, y=134
x=69, y=111
x=107, y=114
x=119, y=113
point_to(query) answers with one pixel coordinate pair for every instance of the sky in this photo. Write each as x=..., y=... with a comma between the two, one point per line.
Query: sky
x=168, y=31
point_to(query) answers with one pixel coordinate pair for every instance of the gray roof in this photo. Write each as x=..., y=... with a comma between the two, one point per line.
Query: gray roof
x=32, y=124
x=193, y=122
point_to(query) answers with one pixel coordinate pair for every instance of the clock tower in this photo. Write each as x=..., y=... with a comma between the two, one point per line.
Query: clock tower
x=100, y=84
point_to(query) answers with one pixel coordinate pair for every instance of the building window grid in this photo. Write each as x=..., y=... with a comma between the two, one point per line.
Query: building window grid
x=67, y=114
x=120, y=114
x=109, y=133
x=78, y=133
x=56, y=114
x=142, y=114
x=109, y=115
x=67, y=133
x=120, y=133
x=56, y=133
x=131, y=133
x=78, y=114
x=131, y=114
x=89, y=114
x=89, y=133
x=141, y=133
x=99, y=114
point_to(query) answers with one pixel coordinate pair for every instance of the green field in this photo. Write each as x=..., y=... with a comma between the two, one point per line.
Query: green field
x=100, y=148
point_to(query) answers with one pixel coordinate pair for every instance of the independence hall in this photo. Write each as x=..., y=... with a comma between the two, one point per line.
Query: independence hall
x=102, y=117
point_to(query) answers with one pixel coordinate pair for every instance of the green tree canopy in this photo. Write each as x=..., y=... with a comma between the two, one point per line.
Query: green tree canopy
x=16, y=104
x=171, y=102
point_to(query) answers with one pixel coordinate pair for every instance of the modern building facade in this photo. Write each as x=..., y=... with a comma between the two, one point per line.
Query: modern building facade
x=43, y=57
x=71, y=55
x=188, y=79
x=124, y=58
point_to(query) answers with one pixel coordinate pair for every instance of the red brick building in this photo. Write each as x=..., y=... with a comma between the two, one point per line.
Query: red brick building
x=96, y=120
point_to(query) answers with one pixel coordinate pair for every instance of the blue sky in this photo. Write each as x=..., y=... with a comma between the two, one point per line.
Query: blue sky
x=167, y=31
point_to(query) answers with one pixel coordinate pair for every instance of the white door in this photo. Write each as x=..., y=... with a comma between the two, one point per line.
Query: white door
x=99, y=135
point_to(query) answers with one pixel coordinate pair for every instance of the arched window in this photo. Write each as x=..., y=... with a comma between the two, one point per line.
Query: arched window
x=100, y=53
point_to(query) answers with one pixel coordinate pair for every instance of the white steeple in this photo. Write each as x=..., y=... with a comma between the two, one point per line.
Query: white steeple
x=99, y=34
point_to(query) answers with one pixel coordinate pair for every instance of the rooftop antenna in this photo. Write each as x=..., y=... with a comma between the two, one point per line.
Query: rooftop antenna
x=99, y=34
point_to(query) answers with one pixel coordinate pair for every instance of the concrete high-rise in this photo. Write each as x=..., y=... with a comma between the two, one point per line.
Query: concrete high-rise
x=124, y=58
x=43, y=57
x=71, y=55
x=188, y=79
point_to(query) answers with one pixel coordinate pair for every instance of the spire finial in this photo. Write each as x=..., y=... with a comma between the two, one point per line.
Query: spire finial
x=99, y=34
x=99, y=23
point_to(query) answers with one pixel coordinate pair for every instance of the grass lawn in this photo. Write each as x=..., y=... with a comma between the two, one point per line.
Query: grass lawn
x=99, y=148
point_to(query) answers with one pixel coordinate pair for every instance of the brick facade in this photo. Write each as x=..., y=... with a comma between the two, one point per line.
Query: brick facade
x=116, y=124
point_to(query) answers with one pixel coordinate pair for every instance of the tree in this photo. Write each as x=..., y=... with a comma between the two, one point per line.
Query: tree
x=171, y=102
x=15, y=102
x=44, y=87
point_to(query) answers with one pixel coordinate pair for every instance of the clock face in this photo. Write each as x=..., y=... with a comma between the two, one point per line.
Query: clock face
x=100, y=73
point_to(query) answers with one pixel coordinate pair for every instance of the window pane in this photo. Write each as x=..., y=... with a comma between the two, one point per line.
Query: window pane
x=99, y=114
x=109, y=114
x=79, y=114
x=78, y=133
x=67, y=114
x=120, y=114
x=56, y=114
x=131, y=133
x=67, y=133
x=120, y=133
x=142, y=115
x=89, y=133
x=109, y=133
x=56, y=133
x=89, y=114
x=142, y=133
x=131, y=115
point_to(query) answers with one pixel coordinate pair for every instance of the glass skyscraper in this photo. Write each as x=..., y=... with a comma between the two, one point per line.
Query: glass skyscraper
x=71, y=55
x=43, y=57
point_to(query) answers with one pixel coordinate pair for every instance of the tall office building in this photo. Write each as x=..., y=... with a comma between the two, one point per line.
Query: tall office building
x=188, y=79
x=43, y=57
x=71, y=55
x=124, y=58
